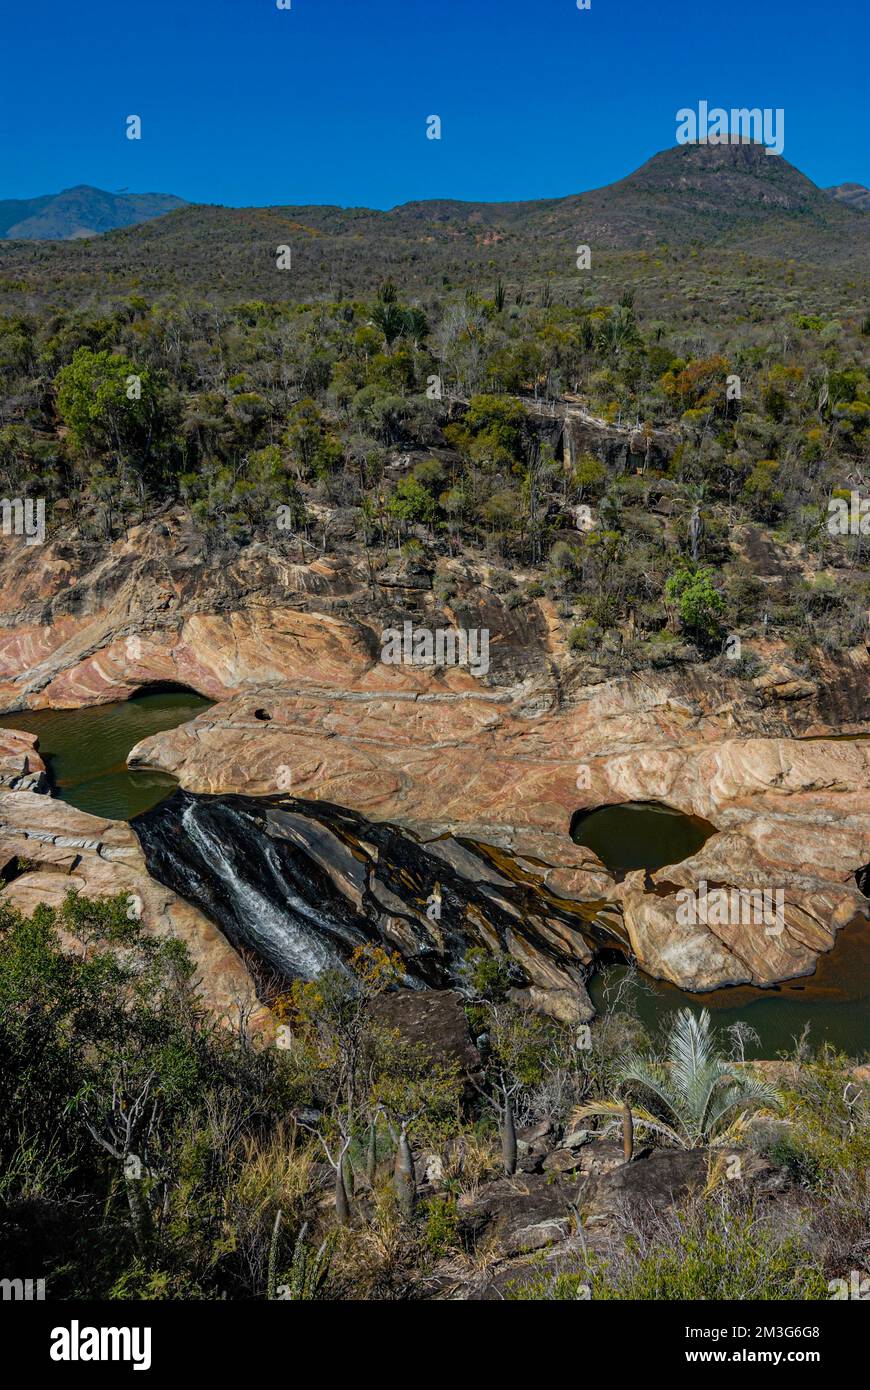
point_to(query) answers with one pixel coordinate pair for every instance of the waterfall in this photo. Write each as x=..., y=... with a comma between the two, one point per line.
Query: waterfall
x=303, y=885
x=287, y=933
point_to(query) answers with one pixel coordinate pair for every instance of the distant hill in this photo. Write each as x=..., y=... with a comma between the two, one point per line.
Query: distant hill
x=680, y=218
x=721, y=194
x=79, y=212
x=855, y=195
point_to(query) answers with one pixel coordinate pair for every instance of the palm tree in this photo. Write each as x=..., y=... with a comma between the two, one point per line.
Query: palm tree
x=415, y=326
x=695, y=1095
x=618, y=333
x=390, y=319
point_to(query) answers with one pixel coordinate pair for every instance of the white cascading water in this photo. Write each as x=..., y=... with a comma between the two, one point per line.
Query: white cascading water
x=301, y=952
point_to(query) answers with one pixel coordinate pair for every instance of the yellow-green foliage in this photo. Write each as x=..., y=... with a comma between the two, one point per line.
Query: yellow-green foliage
x=410, y=1082
x=828, y=1122
x=442, y=1222
x=708, y=1252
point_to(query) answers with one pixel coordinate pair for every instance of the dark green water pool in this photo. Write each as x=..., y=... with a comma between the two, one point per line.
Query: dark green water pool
x=86, y=750
x=834, y=1001
x=640, y=835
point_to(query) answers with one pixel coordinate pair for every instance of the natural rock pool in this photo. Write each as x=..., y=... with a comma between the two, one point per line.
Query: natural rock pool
x=640, y=835
x=834, y=1001
x=85, y=750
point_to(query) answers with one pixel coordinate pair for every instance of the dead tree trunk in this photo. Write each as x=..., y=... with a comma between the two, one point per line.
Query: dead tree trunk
x=627, y=1132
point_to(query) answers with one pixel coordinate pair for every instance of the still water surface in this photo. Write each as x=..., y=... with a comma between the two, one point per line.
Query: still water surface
x=86, y=750
x=640, y=835
x=834, y=1001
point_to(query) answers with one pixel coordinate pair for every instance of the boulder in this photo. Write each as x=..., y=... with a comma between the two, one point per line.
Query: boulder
x=430, y=1020
x=657, y=1179
x=64, y=848
x=21, y=767
x=515, y=1215
x=563, y=1161
x=576, y=1138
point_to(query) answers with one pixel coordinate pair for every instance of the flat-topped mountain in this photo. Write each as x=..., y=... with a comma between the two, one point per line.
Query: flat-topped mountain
x=691, y=191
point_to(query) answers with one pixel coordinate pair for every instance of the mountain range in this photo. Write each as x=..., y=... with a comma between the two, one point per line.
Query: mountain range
x=79, y=212
x=855, y=194
x=713, y=203
x=748, y=182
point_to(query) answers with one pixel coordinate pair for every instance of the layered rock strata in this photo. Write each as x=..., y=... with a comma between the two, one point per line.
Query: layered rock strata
x=290, y=648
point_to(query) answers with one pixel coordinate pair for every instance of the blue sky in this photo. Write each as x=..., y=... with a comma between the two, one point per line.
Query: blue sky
x=242, y=103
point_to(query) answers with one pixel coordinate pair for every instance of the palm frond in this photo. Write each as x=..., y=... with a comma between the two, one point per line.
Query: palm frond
x=645, y=1078
x=694, y=1087
x=613, y=1108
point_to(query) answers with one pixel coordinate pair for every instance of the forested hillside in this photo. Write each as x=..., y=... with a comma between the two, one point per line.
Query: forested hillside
x=702, y=402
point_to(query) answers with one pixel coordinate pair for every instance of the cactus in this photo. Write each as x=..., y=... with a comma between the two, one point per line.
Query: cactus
x=342, y=1205
x=404, y=1177
x=508, y=1137
x=349, y=1177
x=272, y=1271
x=337, y=1163
x=372, y=1152
x=310, y=1268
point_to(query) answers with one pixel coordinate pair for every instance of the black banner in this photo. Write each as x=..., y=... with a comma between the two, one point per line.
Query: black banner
x=66, y=1339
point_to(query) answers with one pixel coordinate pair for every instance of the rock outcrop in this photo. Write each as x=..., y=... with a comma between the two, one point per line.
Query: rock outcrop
x=48, y=848
x=305, y=884
x=790, y=814
x=291, y=652
x=21, y=767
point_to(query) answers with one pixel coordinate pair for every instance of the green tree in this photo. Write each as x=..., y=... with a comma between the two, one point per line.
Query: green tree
x=699, y=602
x=111, y=406
x=411, y=504
x=314, y=449
x=589, y=476
x=492, y=431
x=760, y=487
